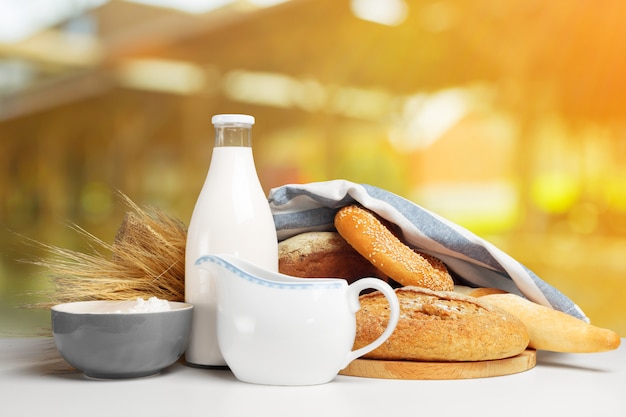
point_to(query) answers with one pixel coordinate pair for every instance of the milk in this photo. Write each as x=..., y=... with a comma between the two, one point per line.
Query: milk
x=231, y=216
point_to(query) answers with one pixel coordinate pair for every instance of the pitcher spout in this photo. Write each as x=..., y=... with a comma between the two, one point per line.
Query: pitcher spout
x=232, y=265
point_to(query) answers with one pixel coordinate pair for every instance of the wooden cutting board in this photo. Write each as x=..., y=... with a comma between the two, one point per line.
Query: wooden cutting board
x=375, y=368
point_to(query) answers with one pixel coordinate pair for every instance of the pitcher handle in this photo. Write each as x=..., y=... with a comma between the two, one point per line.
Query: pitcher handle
x=394, y=312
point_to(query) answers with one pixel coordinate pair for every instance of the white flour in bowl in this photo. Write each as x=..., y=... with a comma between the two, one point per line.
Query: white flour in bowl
x=152, y=305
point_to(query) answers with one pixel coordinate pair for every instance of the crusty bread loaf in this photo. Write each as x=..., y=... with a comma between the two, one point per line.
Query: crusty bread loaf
x=439, y=326
x=323, y=255
x=366, y=233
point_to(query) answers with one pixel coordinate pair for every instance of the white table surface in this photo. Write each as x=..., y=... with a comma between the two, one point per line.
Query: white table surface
x=32, y=383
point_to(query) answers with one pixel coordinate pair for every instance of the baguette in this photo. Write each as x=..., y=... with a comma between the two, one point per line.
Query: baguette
x=554, y=330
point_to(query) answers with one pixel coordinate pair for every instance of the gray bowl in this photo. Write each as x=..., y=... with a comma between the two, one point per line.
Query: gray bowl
x=103, y=343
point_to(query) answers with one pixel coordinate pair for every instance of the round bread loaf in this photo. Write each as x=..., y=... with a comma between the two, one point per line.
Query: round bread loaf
x=439, y=326
x=323, y=255
x=376, y=242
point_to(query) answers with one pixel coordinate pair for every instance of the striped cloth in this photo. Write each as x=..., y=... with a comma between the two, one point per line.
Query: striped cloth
x=472, y=261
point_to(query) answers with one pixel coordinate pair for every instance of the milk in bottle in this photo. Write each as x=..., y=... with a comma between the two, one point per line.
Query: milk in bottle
x=231, y=216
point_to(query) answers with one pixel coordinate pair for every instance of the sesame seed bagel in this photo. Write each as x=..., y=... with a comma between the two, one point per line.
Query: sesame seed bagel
x=363, y=230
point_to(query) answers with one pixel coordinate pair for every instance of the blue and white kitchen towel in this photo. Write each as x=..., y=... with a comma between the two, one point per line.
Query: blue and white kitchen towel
x=299, y=208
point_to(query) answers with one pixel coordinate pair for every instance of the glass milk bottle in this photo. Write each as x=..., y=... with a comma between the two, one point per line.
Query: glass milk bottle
x=231, y=216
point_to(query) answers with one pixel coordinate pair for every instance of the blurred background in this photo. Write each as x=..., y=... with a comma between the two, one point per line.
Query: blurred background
x=505, y=117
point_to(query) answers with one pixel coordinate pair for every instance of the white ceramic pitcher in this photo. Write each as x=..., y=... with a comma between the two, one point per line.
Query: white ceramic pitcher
x=276, y=329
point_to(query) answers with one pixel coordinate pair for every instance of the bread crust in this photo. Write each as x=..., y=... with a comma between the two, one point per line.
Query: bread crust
x=439, y=326
x=365, y=232
x=323, y=255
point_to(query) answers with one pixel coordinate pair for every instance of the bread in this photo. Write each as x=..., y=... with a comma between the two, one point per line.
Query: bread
x=548, y=329
x=365, y=232
x=323, y=255
x=554, y=330
x=439, y=326
x=477, y=292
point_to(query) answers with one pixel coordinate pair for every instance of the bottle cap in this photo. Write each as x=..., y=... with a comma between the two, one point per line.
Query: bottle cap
x=229, y=119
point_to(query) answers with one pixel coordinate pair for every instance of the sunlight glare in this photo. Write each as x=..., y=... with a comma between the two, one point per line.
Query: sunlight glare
x=425, y=118
x=384, y=12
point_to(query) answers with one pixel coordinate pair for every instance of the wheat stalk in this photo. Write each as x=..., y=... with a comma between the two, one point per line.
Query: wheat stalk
x=146, y=259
